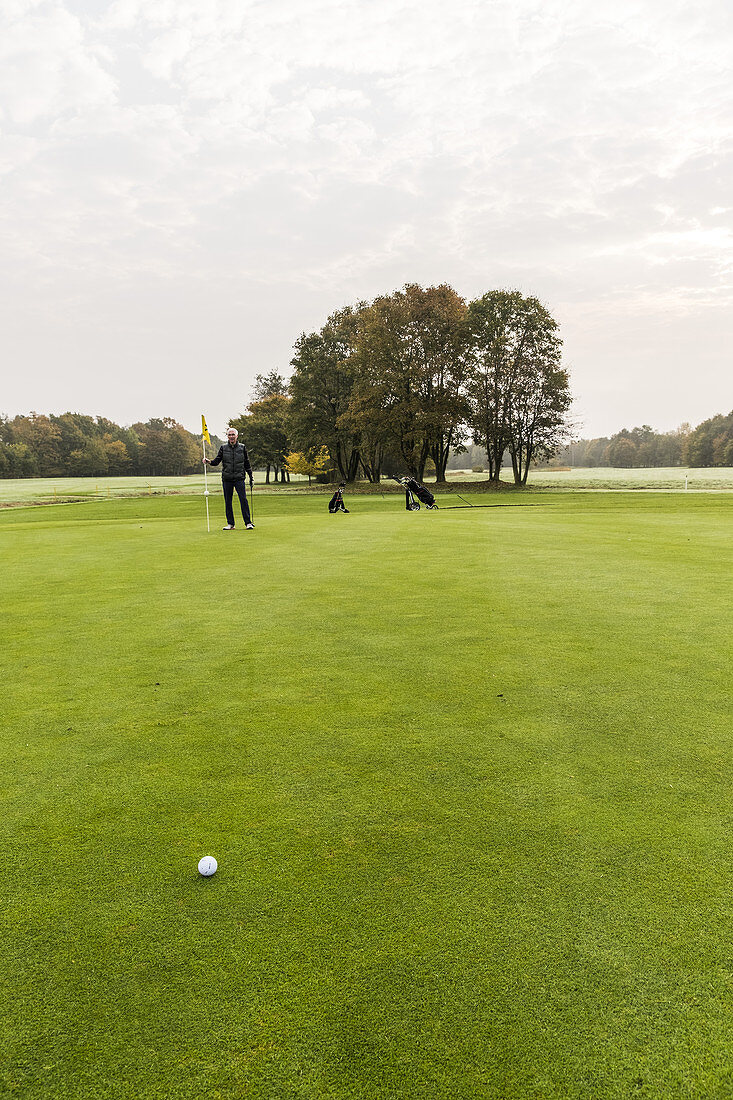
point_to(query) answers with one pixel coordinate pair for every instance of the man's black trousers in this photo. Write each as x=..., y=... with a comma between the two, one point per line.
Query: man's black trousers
x=229, y=487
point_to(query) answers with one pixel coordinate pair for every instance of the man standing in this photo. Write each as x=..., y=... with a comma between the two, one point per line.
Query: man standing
x=234, y=465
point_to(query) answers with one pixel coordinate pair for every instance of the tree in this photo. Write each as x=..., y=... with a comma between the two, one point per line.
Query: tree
x=72, y=438
x=166, y=448
x=269, y=385
x=264, y=431
x=134, y=448
x=43, y=440
x=311, y=464
x=711, y=443
x=20, y=461
x=538, y=412
x=122, y=446
x=89, y=460
x=118, y=460
x=321, y=389
x=411, y=357
x=518, y=392
x=184, y=453
x=622, y=451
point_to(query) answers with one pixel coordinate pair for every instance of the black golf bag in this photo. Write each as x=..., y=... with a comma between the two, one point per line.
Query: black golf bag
x=336, y=503
x=414, y=489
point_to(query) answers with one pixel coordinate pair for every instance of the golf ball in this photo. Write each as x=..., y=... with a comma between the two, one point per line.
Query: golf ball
x=207, y=866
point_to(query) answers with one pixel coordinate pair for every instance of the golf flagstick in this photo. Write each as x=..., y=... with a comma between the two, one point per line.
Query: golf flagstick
x=206, y=488
x=204, y=437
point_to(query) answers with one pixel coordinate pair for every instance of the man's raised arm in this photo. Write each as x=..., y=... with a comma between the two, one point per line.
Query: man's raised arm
x=214, y=461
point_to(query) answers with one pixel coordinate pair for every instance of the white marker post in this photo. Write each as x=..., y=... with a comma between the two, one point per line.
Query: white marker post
x=206, y=486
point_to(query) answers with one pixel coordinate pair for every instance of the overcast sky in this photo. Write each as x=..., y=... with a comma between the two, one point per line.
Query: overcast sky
x=188, y=185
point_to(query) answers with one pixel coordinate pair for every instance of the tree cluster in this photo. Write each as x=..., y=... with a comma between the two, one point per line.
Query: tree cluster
x=399, y=383
x=638, y=447
x=709, y=444
x=73, y=445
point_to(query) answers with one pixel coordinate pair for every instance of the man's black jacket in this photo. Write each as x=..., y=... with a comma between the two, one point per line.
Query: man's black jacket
x=234, y=462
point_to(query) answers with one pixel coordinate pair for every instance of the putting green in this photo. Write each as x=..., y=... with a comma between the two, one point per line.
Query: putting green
x=466, y=775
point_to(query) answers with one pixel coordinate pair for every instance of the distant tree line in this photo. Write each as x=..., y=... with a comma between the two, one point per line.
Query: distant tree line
x=628, y=448
x=709, y=444
x=73, y=445
x=400, y=383
x=472, y=457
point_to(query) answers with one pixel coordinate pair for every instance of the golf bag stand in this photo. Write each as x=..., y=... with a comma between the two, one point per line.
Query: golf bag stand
x=336, y=503
x=413, y=489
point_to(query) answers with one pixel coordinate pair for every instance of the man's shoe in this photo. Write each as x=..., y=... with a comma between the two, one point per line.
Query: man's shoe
x=250, y=526
x=229, y=527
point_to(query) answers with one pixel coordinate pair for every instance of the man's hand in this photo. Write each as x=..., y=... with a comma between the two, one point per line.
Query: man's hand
x=251, y=481
x=206, y=462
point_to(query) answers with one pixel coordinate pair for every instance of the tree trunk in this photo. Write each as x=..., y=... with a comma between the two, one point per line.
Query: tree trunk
x=440, y=455
x=342, y=462
x=422, y=461
x=373, y=469
x=527, y=460
x=517, y=466
x=494, y=466
x=353, y=466
x=407, y=450
x=440, y=452
x=267, y=475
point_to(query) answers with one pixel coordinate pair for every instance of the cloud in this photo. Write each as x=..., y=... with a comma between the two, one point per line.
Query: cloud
x=337, y=149
x=47, y=66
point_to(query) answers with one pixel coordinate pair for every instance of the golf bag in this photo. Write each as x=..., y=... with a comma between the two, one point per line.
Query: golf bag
x=336, y=503
x=414, y=489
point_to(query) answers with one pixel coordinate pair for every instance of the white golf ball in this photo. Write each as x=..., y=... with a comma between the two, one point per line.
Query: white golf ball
x=207, y=866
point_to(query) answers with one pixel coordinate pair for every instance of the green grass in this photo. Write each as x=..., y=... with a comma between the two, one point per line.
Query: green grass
x=59, y=489
x=466, y=773
x=49, y=490
x=597, y=477
x=673, y=477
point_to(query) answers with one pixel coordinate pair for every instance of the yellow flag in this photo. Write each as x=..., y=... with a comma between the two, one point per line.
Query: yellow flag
x=204, y=429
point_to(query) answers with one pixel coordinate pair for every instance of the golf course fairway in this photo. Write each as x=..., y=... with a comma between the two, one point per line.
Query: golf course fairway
x=466, y=774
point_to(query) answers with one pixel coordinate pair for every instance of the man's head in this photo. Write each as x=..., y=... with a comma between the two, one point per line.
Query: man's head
x=232, y=434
